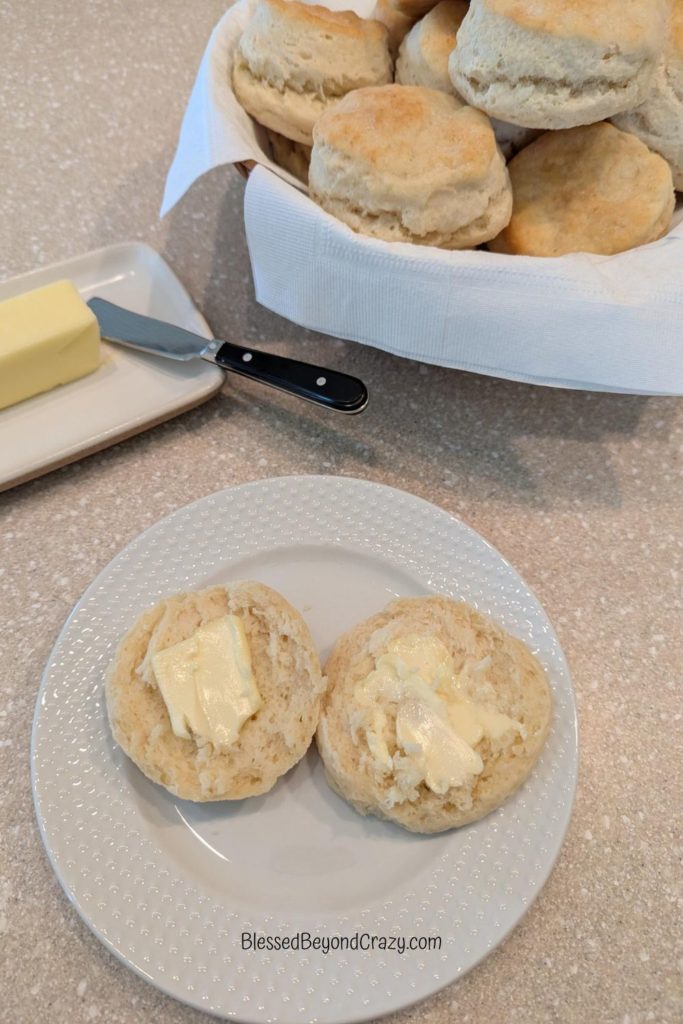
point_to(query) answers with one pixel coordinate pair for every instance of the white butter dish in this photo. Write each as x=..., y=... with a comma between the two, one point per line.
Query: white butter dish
x=130, y=391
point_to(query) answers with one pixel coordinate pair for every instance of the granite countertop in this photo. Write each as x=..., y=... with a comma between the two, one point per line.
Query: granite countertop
x=581, y=492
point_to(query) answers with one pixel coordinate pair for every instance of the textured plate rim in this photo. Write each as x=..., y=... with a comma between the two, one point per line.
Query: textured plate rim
x=397, y=1003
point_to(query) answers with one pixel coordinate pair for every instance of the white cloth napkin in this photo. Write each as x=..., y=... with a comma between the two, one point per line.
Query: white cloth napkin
x=215, y=130
x=581, y=321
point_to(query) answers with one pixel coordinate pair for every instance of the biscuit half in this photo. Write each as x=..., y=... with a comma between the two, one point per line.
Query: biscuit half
x=287, y=674
x=515, y=685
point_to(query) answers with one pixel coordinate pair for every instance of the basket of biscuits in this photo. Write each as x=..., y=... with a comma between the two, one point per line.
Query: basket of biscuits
x=487, y=185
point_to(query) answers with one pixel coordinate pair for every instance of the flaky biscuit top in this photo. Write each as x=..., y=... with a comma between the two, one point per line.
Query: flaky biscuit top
x=632, y=24
x=293, y=46
x=410, y=133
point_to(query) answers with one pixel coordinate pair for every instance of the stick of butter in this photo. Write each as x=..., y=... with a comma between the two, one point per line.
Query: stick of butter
x=47, y=337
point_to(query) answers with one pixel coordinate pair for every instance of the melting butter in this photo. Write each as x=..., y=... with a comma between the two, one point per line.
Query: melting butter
x=414, y=703
x=443, y=758
x=207, y=683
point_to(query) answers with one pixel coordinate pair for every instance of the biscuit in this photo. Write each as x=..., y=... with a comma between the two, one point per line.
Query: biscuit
x=293, y=156
x=546, y=64
x=397, y=23
x=294, y=60
x=408, y=164
x=414, y=8
x=658, y=121
x=423, y=56
x=494, y=670
x=589, y=189
x=423, y=60
x=287, y=674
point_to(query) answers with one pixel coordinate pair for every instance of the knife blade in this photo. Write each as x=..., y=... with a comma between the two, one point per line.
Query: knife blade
x=325, y=387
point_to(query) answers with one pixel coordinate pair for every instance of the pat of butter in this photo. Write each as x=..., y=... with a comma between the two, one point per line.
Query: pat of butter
x=47, y=337
x=415, y=704
x=472, y=722
x=207, y=683
x=443, y=758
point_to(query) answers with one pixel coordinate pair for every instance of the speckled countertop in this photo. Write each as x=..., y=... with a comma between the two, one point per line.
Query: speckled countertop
x=581, y=492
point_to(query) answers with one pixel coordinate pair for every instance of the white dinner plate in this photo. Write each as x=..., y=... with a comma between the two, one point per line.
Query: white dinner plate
x=130, y=391
x=170, y=886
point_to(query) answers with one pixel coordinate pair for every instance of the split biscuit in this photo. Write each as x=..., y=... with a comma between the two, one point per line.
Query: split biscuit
x=286, y=672
x=360, y=743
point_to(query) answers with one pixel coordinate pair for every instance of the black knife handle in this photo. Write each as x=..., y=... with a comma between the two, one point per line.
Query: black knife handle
x=314, y=383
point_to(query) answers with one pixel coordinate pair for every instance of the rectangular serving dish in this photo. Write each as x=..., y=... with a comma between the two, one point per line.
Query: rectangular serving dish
x=130, y=392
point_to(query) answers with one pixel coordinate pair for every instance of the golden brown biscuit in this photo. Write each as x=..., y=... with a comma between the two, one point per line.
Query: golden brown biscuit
x=423, y=60
x=397, y=23
x=591, y=189
x=404, y=163
x=424, y=53
x=294, y=60
x=414, y=8
x=658, y=121
x=558, y=63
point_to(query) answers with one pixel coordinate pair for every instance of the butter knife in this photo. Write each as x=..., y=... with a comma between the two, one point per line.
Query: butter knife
x=324, y=387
